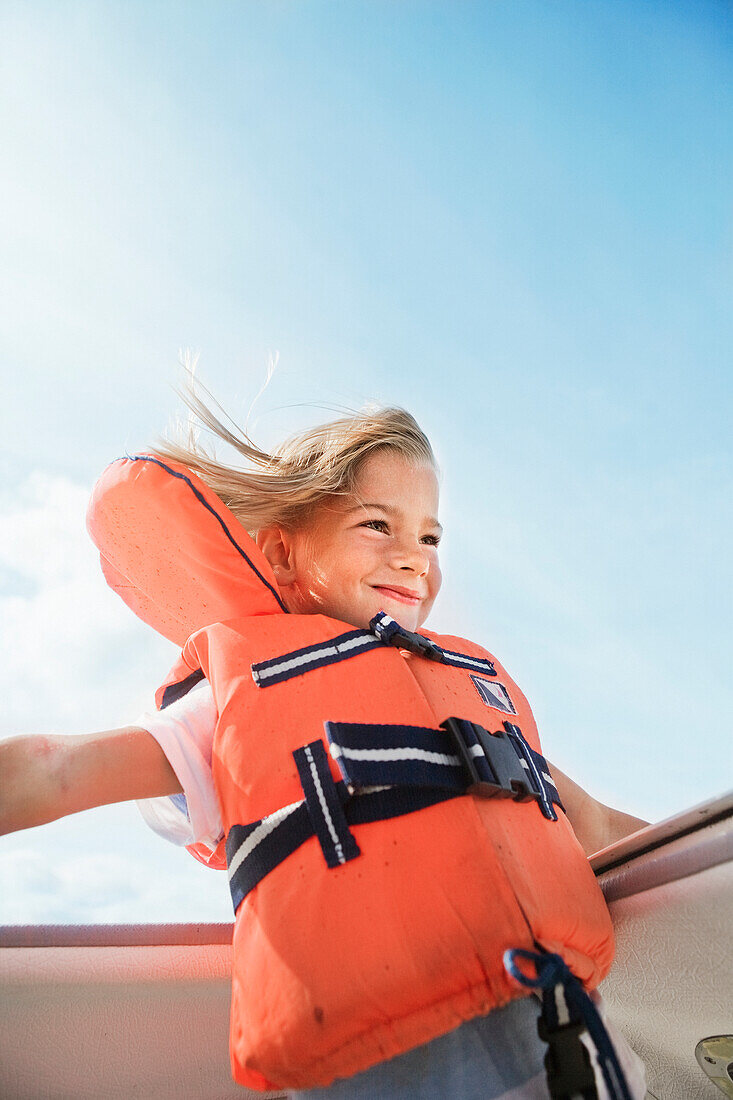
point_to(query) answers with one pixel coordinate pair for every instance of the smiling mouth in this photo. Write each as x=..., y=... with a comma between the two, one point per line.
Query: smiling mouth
x=404, y=595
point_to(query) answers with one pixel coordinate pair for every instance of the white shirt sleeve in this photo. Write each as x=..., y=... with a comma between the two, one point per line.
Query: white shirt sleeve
x=185, y=733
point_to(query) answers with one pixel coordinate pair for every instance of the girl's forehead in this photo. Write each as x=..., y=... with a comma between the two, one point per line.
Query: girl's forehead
x=393, y=472
x=398, y=484
x=388, y=480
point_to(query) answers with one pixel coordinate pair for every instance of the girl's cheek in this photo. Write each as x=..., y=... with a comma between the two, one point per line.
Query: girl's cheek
x=312, y=585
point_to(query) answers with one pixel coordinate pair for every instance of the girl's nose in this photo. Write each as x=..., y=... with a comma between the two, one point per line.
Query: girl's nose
x=413, y=557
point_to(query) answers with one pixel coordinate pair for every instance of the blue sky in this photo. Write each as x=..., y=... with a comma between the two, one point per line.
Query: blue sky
x=514, y=219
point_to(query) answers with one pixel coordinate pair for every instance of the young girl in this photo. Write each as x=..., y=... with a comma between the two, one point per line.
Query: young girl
x=378, y=793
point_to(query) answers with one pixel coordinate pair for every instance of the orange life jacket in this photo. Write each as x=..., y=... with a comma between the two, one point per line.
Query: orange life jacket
x=371, y=936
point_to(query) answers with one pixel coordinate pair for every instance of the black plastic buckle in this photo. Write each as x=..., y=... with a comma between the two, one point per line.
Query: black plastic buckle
x=417, y=644
x=508, y=778
x=424, y=647
x=392, y=633
x=567, y=1062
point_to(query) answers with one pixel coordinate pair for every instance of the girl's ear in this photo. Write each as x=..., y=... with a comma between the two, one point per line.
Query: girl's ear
x=277, y=546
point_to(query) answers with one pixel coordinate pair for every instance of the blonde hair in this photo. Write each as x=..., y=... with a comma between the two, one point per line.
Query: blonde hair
x=305, y=470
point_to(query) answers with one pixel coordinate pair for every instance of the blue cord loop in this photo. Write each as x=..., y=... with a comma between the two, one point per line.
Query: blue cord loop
x=551, y=971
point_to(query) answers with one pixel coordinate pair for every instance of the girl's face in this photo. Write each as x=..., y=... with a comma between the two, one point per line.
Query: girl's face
x=374, y=551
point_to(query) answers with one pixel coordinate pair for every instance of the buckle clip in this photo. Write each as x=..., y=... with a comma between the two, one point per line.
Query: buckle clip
x=384, y=627
x=419, y=645
x=492, y=761
x=567, y=1061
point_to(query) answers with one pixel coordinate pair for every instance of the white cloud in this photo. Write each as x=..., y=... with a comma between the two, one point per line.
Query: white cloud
x=75, y=658
x=107, y=888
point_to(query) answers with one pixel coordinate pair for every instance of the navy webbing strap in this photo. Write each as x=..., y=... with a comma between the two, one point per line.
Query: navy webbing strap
x=384, y=627
x=176, y=691
x=461, y=756
x=323, y=804
x=569, y=1071
x=256, y=849
x=383, y=630
x=303, y=660
x=387, y=771
x=411, y=756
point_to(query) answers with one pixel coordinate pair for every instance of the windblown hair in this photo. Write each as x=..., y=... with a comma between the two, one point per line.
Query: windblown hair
x=305, y=470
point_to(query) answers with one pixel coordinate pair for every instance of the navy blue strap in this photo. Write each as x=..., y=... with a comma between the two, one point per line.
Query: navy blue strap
x=303, y=660
x=387, y=771
x=256, y=849
x=176, y=691
x=414, y=756
x=383, y=630
x=537, y=766
x=323, y=804
x=554, y=978
x=461, y=756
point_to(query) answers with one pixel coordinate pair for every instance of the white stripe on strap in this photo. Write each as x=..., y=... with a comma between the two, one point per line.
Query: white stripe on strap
x=324, y=808
x=313, y=655
x=265, y=827
x=461, y=658
x=561, y=1006
x=395, y=754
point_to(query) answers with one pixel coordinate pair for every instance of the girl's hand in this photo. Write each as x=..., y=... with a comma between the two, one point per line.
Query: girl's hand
x=47, y=777
x=595, y=825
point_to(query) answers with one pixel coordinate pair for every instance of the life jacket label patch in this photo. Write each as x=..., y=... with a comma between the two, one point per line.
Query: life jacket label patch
x=494, y=695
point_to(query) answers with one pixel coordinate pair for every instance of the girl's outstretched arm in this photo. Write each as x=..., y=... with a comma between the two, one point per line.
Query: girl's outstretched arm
x=47, y=777
x=595, y=825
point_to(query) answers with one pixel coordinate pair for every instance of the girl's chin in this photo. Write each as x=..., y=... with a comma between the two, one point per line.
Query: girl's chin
x=402, y=613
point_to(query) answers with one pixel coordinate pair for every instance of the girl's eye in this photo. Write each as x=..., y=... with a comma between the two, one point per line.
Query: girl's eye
x=383, y=526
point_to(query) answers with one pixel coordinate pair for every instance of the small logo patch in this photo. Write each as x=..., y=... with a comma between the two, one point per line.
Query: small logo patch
x=494, y=695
